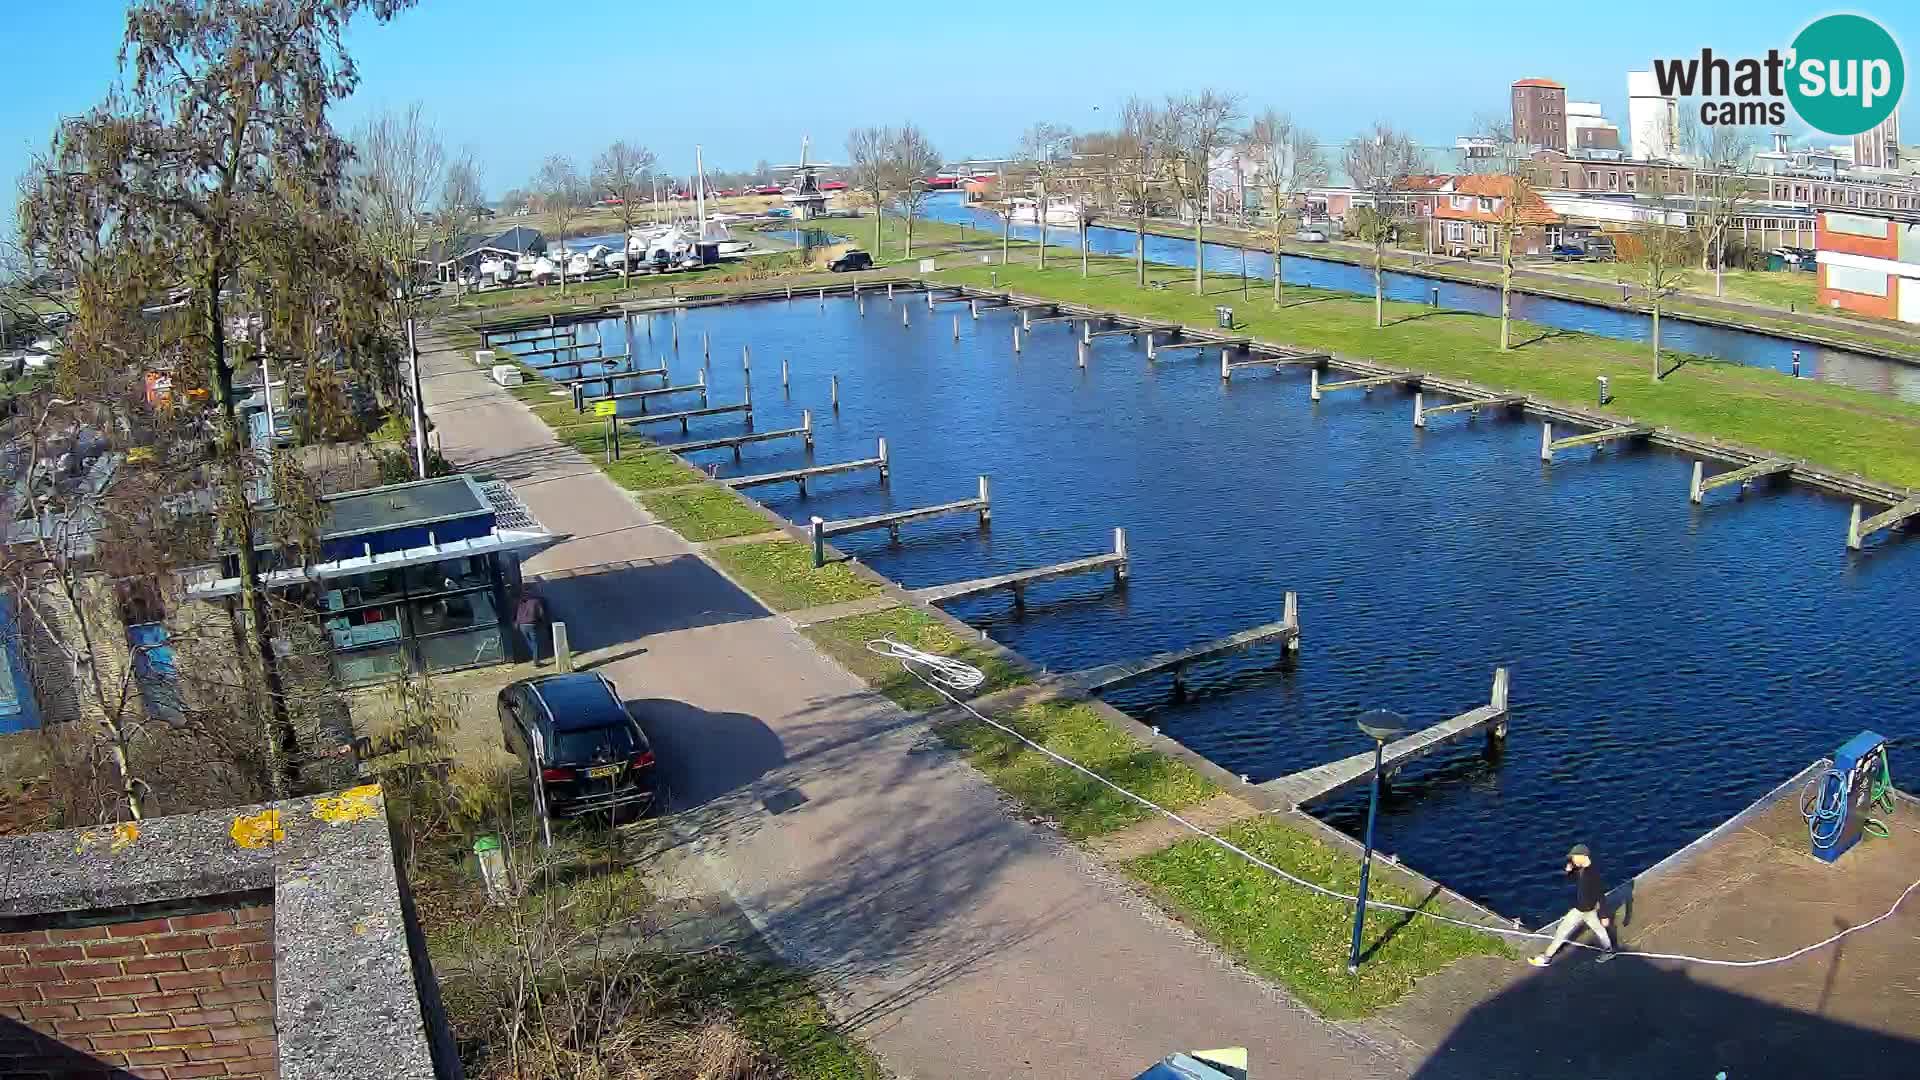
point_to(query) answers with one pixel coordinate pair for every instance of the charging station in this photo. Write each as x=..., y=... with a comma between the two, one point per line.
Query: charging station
x=1837, y=803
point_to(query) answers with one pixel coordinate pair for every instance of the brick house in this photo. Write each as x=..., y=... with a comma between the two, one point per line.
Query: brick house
x=1468, y=214
x=1869, y=263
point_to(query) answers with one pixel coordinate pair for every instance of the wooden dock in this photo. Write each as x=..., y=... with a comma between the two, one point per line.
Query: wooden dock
x=1129, y=331
x=799, y=477
x=821, y=529
x=1858, y=530
x=1742, y=476
x=644, y=396
x=582, y=361
x=550, y=349
x=1236, y=344
x=1321, y=781
x=1549, y=445
x=1275, y=359
x=691, y=414
x=1020, y=579
x=1108, y=676
x=576, y=380
x=734, y=442
x=1470, y=405
x=1316, y=388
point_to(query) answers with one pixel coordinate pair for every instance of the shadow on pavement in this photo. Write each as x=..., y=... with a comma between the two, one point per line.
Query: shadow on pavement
x=1636, y=1018
x=621, y=604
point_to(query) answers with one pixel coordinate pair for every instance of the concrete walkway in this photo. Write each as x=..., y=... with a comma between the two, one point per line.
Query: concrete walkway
x=957, y=940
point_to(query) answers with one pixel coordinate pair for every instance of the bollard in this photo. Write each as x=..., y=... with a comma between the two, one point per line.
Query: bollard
x=885, y=468
x=1016, y=337
x=1313, y=384
x=1605, y=392
x=1546, y=442
x=986, y=501
x=562, y=652
x=806, y=428
x=1796, y=363
x=817, y=527
x=833, y=391
x=1120, y=549
x=1419, y=410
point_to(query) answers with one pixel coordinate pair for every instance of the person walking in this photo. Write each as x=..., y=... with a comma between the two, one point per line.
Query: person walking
x=528, y=613
x=1589, y=895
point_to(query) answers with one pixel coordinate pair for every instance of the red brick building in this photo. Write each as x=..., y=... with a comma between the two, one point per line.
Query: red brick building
x=1540, y=114
x=1870, y=263
x=1468, y=214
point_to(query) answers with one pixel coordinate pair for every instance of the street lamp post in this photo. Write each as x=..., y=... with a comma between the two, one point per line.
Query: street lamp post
x=1380, y=725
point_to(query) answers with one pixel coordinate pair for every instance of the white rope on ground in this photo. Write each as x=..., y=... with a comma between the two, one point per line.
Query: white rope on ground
x=945, y=674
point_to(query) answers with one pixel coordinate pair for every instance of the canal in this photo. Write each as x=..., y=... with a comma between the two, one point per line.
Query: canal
x=1858, y=370
x=1670, y=663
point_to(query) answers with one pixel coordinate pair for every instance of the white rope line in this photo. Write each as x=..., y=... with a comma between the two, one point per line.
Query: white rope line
x=945, y=674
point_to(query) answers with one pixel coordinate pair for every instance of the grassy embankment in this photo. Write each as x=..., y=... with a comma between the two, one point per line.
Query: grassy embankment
x=1291, y=936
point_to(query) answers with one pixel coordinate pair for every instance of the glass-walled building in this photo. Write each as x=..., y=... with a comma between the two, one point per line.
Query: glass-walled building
x=411, y=577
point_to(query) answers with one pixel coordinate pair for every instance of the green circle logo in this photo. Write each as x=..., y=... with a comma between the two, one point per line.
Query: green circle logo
x=1847, y=74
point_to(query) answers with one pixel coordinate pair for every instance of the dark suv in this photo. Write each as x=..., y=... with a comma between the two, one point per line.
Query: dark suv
x=852, y=260
x=580, y=743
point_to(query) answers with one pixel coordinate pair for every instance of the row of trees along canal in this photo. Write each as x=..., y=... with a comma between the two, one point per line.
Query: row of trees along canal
x=1161, y=157
x=202, y=235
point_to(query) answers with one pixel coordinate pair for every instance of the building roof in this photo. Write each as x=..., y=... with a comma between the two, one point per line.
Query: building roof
x=1533, y=209
x=1548, y=83
x=518, y=240
x=1422, y=183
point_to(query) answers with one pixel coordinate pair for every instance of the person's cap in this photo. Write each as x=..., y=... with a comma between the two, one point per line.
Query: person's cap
x=1579, y=849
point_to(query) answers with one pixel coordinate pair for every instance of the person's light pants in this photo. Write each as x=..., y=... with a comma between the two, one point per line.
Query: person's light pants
x=1571, y=921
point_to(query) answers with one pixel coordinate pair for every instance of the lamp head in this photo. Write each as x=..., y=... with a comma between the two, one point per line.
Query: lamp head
x=1382, y=725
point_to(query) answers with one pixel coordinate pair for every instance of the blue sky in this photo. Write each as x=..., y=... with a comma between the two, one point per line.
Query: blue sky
x=515, y=80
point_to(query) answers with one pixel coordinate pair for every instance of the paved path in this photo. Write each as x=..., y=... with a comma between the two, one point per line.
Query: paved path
x=958, y=940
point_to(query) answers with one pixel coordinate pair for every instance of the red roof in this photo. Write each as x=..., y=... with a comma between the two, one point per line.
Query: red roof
x=1549, y=83
x=1533, y=209
x=1422, y=183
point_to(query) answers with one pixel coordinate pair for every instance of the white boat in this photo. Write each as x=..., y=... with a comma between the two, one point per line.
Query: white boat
x=617, y=260
x=544, y=269
x=1061, y=212
x=526, y=264
x=579, y=264
x=734, y=248
x=495, y=269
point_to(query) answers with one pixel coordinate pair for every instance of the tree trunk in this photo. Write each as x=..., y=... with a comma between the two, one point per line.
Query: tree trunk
x=1006, y=229
x=909, y=251
x=876, y=223
x=1083, y=247
x=1656, y=338
x=1199, y=252
x=1140, y=245
x=1040, y=213
x=1277, y=220
x=1379, y=289
x=282, y=745
x=1506, y=295
x=1719, y=263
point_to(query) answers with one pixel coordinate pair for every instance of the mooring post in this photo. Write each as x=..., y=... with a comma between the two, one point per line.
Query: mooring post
x=1151, y=352
x=1026, y=319
x=904, y=309
x=789, y=292
x=1853, y=529
x=986, y=501
x=1796, y=363
x=956, y=328
x=1080, y=353
x=889, y=290
x=1120, y=549
x=1693, y=490
x=1226, y=373
x=929, y=299
x=562, y=651
x=628, y=321
x=818, y=528
x=806, y=428
x=1497, y=731
x=1290, y=614
x=706, y=347
x=823, y=299
x=885, y=467
x=860, y=305
x=1546, y=442
x=1313, y=384
x=833, y=391
x=783, y=373
x=1019, y=596
x=1419, y=409
x=974, y=307
x=1016, y=337
x=579, y=398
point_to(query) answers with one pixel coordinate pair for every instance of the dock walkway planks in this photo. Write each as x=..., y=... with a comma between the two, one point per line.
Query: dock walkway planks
x=1703, y=483
x=813, y=472
x=1020, y=579
x=1108, y=676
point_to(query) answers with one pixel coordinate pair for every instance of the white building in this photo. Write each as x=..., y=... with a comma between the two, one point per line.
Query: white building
x=1879, y=147
x=1653, y=120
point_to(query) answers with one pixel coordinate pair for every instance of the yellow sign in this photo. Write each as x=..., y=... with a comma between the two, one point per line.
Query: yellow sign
x=605, y=408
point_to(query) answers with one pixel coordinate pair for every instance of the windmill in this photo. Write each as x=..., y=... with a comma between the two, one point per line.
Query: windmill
x=806, y=198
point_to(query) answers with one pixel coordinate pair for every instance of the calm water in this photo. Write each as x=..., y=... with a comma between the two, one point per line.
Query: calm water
x=1853, y=369
x=1670, y=663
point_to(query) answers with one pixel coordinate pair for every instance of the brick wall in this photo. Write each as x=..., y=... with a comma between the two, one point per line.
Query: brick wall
x=167, y=998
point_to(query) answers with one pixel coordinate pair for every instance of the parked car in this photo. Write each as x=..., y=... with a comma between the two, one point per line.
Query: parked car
x=1310, y=236
x=580, y=744
x=1600, y=247
x=852, y=260
x=1568, y=252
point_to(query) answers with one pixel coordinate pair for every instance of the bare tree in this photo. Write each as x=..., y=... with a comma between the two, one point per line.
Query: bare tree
x=1661, y=252
x=1139, y=149
x=398, y=164
x=913, y=159
x=1197, y=127
x=870, y=170
x=622, y=172
x=1514, y=201
x=1376, y=163
x=1045, y=149
x=215, y=177
x=1721, y=155
x=1287, y=162
x=461, y=200
x=564, y=197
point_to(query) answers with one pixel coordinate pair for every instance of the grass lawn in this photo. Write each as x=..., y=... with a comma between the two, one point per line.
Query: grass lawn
x=706, y=513
x=1080, y=806
x=846, y=641
x=782, y=575
x=1834, y=426
x=1297, y=938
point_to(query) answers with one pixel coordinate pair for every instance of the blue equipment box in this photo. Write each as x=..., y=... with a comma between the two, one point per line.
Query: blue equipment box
x=1846, y=789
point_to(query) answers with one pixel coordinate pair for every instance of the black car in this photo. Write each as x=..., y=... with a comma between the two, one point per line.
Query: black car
x=580, y=742
x=852, y=260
